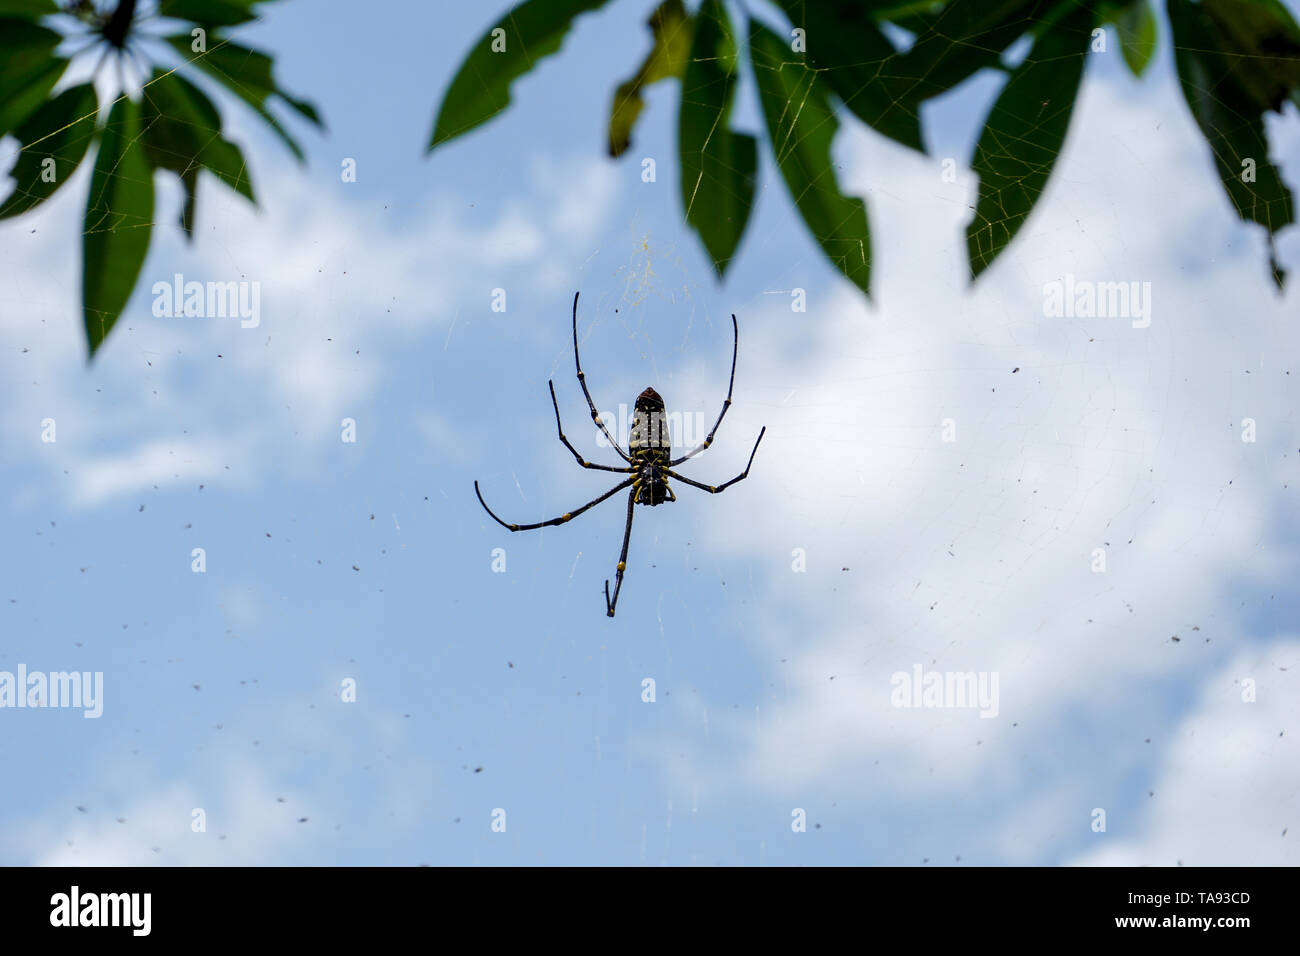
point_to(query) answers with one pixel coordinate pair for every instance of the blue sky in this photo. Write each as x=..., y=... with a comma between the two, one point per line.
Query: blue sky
x=479, y=690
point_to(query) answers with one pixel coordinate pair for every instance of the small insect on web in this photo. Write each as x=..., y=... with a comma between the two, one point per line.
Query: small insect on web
x=649, y=457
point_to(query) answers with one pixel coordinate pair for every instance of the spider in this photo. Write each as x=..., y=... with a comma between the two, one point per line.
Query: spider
x=649, y=457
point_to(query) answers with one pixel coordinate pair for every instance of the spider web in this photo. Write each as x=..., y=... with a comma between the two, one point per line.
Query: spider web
x=656, y=274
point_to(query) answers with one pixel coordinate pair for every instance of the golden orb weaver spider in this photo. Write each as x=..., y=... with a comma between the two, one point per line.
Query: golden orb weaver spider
x=649, y=457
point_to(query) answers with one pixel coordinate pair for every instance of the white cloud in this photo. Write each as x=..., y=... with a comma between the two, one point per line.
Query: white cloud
x=275, y=803
x=108, y=476
x=344, y=289
x=247, y=820
x=1225, y=793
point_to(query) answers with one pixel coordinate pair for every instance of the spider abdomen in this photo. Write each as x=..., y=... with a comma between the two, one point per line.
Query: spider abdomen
x=648, y=437
x=650, y=444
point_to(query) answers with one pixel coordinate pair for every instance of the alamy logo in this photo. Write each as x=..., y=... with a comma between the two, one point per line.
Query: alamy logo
x=209, y=300
x=685, y=429
x=1084, y=299
x=946, y=689
x=102, y=909
x=80, y=689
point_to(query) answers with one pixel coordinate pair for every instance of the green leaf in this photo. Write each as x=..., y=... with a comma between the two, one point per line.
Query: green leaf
x=801, y=124
x=244, y=71
x=119, y=219
x=277, y=127
x=1135, y=23
x=1023, y=134
x=670, y=25
x=718, y=166
x=303, y=108
x=1264, y=39
x=28, y=9
x=915, y=16
x=964, y=38
x=1228, y=97
x=28, y=70
x=181, y=132
x=210, y=13
x=856, y=60
x=480, y=90
x=176, y=106
x=224, y=160
x=61, y=131
x=248, y=74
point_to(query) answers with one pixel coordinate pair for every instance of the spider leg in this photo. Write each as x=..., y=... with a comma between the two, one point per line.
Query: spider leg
x=582, y=380
x=581, y=461
x=554, y=521
x=718, y=489
x=735, y=345
x=622, y=558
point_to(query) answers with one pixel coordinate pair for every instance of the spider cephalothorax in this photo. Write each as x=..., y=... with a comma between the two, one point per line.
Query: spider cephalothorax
x=649, y=457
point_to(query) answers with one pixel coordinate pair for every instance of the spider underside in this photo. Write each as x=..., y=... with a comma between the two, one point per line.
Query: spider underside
x=649, y=461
